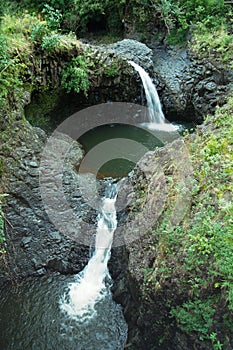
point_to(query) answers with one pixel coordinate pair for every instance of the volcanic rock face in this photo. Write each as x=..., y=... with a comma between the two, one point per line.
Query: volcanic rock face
x=189, y=89
x=156, y=179
x=34, y=245
x=133, y=50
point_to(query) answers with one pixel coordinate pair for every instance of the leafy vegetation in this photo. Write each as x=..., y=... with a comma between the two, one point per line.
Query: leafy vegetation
x=173, y=18
x=46, y=32
x=21, y=37
x=195, y=316
x=215, y=45
x=75, y=75
x=15, y=50
x=111, y=71
x=11, y=69
x=200, y=250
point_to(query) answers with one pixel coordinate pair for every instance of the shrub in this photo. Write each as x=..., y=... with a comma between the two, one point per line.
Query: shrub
x=50, y=43
x=195, y=316
x=39, y=31
x=47, y=30
x=111, y=71
x=200, y=250
x=17, y=30
x=52, y=16
x=75, y=75
x=217, y=44
x=10, y=70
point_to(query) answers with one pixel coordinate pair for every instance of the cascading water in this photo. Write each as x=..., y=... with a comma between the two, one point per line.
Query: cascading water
x=93, y=319
x=156, y=115
x=90, y=319
x=90, y=286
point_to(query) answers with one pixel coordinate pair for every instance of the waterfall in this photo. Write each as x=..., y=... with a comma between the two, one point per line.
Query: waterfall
x=90, y=287
x=156, y=115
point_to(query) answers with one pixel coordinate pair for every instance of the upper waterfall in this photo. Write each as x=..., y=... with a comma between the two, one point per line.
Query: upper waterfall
x=156, y=115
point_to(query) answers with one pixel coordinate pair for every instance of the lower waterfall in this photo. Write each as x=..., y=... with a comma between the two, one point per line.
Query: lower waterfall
x=88, y=303
x=89, y=286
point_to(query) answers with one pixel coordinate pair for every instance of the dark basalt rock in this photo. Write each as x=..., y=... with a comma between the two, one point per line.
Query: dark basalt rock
x=34, y=245
x=147, y=314
x=133, y=50
x=189, y=89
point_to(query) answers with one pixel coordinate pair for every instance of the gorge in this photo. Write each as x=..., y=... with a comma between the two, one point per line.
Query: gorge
x=167, y=229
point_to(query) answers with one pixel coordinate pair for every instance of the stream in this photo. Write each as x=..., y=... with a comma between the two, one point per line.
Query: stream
x=77, y=312
x=31, y=319
x=38, y=314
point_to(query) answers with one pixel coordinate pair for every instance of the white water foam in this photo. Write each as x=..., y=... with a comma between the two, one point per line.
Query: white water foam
x=90, y=287
x=167, y=127
x=156, y=116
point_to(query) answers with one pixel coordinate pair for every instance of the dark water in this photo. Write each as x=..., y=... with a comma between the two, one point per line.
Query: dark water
x=30, y=314
x=31, y=319
x=120, y=167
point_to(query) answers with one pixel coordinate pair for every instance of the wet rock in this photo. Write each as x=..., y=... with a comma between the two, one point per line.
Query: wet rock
x=33, y=164
x=57, y=265
x=148, y=317
x=37, y=263
x=25, y=242
x=40, y=272
x=33, y=242
x=56, y=236
x=188, y=89
x=170, y=66
x=133, y=50
x=211, y=86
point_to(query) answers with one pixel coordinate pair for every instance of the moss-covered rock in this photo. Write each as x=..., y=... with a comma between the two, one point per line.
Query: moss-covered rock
x=180, y=273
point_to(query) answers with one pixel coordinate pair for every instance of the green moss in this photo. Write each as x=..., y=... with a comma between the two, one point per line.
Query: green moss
x=42, y=104
x=75, y=76
x=111, y=71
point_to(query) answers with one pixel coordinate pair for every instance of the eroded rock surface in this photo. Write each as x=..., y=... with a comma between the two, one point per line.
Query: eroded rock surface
x=162, y=185
x=189, y=88
x=35, y=245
